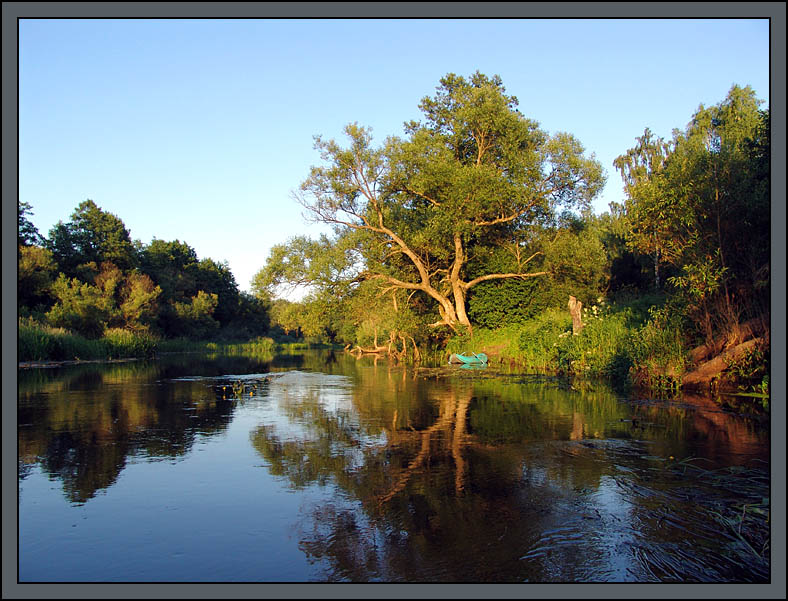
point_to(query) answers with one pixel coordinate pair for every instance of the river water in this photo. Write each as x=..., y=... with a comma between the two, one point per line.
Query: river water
x=316, y=467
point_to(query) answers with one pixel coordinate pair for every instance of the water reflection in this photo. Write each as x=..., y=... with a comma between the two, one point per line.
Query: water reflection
x=83, y=423
x=506, y=480
x=477, y=477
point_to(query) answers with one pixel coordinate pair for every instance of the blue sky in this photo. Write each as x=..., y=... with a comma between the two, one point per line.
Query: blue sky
x=199, y=130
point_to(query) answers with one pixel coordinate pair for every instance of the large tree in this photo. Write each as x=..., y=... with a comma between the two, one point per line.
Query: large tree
x=91, y=237
x=650, y=233
x=28, y=233
x=473, y=176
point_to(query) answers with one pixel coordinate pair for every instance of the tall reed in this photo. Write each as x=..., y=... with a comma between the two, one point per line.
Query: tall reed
x=40, y=342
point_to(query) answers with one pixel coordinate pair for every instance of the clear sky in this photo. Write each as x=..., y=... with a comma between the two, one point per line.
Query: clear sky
x=199, y=130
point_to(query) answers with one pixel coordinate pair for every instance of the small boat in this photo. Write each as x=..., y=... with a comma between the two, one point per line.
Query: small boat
x=469, y=359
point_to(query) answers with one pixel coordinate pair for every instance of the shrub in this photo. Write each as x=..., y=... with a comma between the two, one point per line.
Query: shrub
x=659, y=344
x=541, y=340
x=601, y=348
x=80, y=307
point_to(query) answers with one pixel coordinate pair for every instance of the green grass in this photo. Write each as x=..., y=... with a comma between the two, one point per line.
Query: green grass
x=39, y=342
x=500, y=341
x=259, y=346
x=620, y=342
x=122, y=344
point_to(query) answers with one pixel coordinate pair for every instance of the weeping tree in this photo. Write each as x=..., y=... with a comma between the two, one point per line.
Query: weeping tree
x=473, y=176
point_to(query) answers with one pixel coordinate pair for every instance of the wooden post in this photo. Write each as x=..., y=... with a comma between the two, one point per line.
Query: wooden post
x=575, y=310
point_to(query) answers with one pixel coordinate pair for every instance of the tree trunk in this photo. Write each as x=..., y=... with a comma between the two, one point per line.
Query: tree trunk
x=457, y=284
x=575, y=310
x=656, y=269
x=459, y=303
x=707, y=371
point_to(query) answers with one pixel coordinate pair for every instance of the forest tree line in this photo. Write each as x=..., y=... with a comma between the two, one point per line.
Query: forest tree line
x=475, y=221
x=88, y=276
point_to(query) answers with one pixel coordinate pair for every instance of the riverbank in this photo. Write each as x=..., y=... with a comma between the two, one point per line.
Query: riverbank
x=629, y=344
x=634, y=344
x=45, y=346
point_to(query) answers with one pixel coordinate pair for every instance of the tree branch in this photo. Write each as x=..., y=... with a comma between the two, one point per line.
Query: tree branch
x=506, y=218
x=398, y=283
x=424, y=196
x=500, y=276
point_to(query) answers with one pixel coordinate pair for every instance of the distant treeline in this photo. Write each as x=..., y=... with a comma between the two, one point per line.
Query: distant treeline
x=88, y=277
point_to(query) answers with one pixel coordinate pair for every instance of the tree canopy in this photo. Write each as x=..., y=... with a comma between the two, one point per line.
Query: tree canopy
x=89, y=276
x=27, y=232
x=425, y=210
x=92, y=236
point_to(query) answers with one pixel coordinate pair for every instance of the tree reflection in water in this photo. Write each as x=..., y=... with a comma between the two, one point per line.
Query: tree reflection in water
x=495, y=480
x=472, y=478
x=83, y=423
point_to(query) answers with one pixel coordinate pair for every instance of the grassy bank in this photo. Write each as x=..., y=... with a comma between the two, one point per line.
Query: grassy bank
x=39, y=342
x=625, y=343
x=264, y=346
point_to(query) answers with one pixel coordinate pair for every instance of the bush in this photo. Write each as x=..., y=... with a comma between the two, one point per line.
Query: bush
x=507, y=301
x=195, y=318
x=80, y=307
x=658, y=347
x=601, y=348
x=540, y=339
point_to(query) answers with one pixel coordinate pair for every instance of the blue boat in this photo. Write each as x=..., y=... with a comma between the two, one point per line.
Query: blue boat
x=470, y=359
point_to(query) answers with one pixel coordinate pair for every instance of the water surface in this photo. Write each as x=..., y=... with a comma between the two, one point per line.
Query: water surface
x=318, y=467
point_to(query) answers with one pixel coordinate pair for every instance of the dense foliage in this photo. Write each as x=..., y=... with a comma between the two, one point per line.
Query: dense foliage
x=472, y=230
x=700, y=204
x=425, y=214
x=475, y=203
x=90, y=279
x=480, y=221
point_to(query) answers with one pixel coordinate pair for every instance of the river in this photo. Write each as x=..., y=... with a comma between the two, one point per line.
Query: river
x=316, y=467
